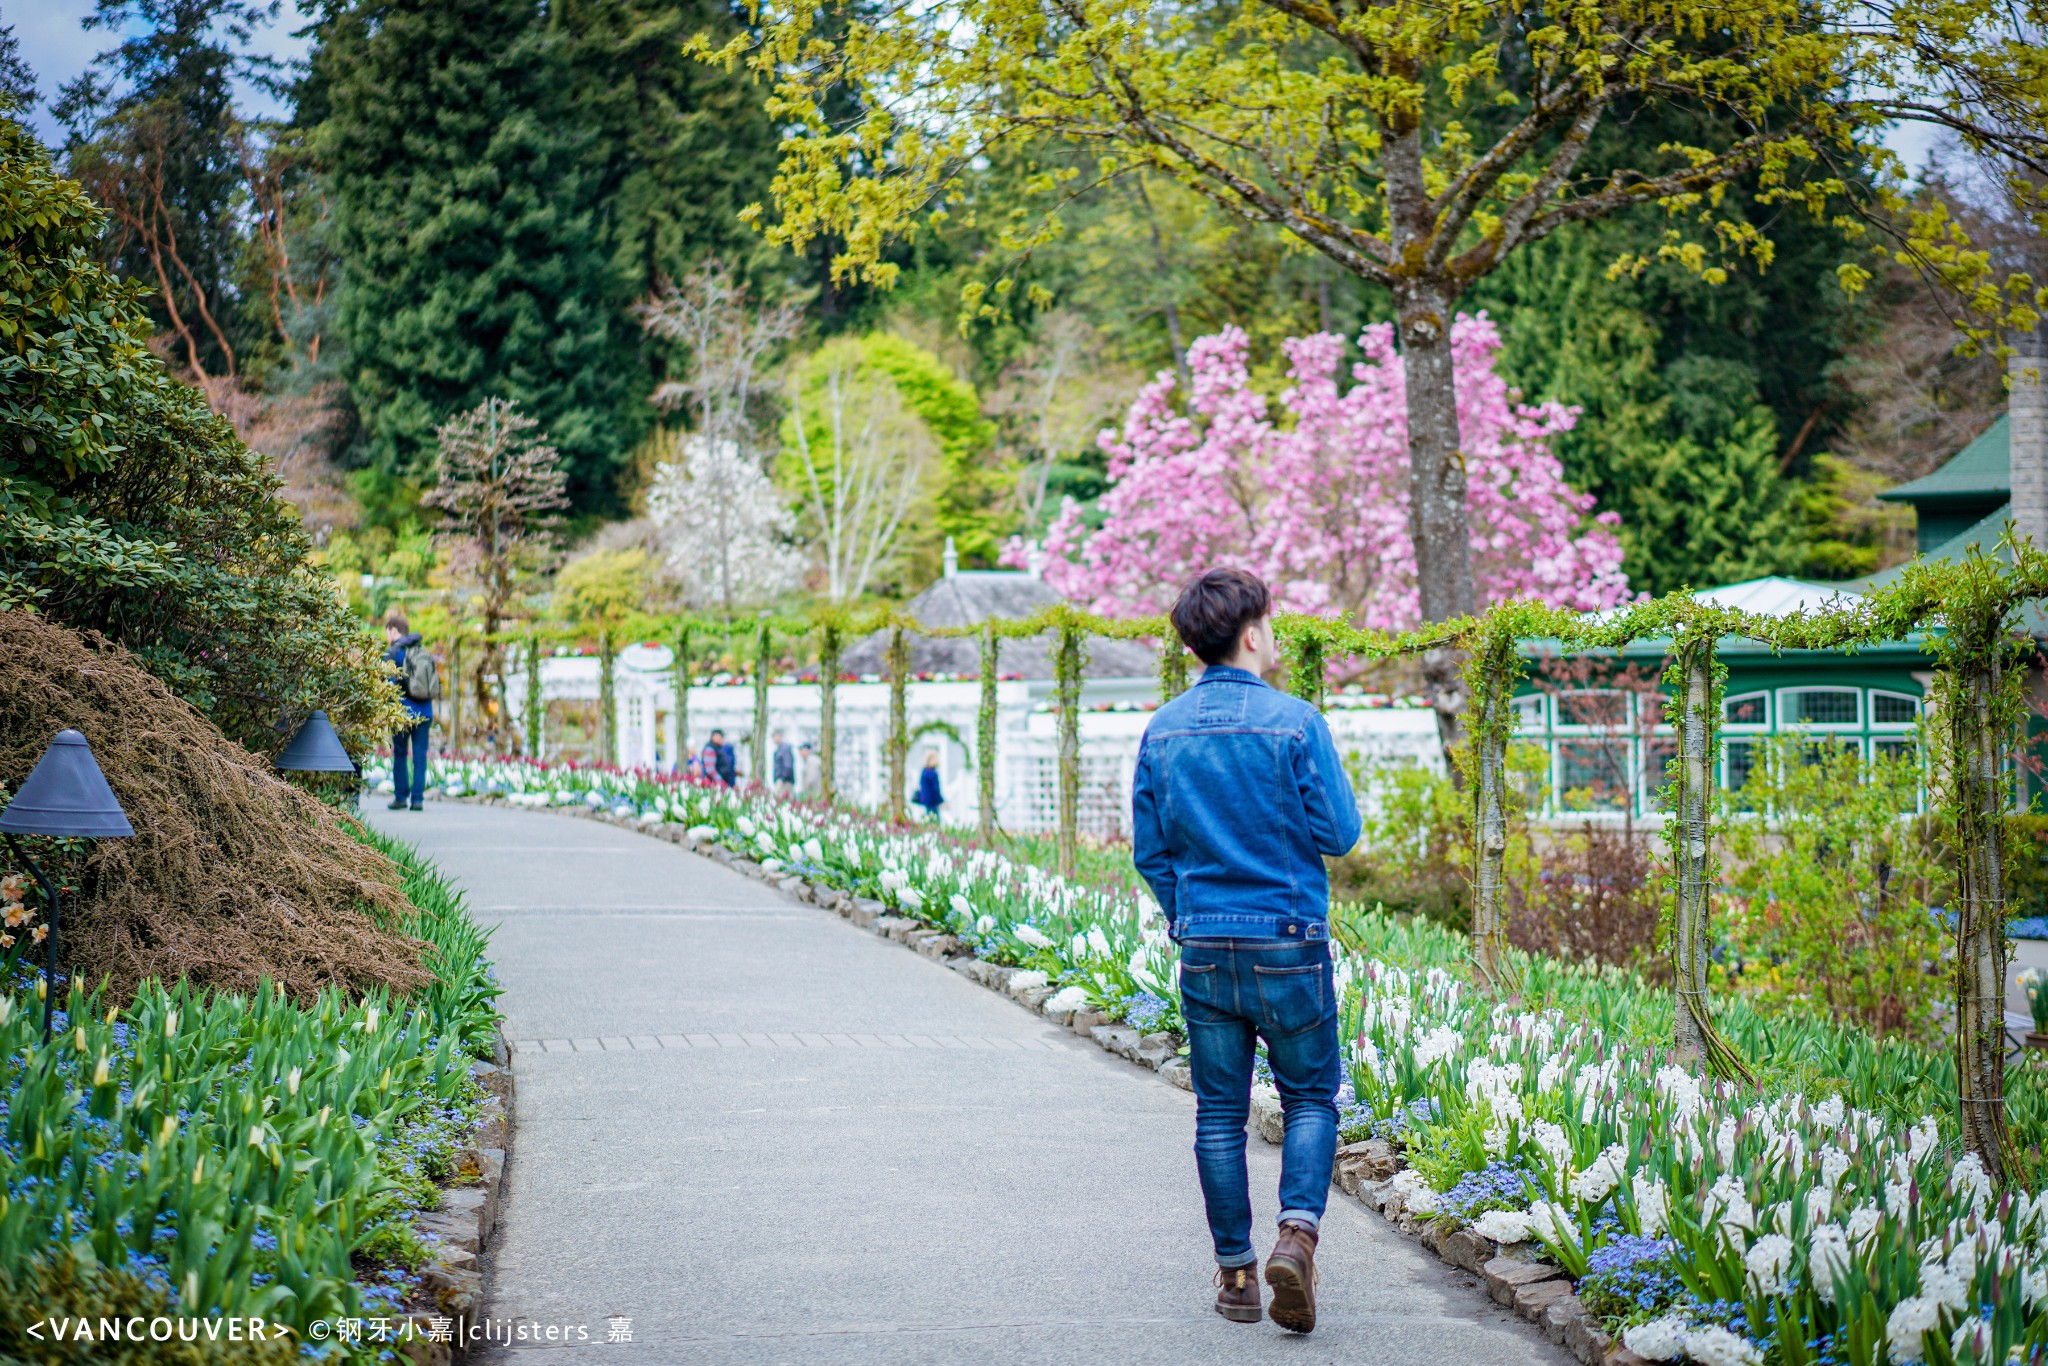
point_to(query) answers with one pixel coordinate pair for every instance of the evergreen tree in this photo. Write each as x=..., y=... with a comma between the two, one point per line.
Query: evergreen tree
x=681, y=148
x=1684, y=449
x=471, y=223
x=155, y=139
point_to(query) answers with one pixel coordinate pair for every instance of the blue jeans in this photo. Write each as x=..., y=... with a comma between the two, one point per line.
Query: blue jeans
x=416, y=738
x=1234, y=991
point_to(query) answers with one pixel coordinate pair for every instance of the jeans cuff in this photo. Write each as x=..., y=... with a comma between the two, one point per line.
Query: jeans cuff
x=1249, y=1259
x=1301, y=1216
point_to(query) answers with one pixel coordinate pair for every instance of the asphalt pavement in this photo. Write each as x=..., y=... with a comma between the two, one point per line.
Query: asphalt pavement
x=748, y=1131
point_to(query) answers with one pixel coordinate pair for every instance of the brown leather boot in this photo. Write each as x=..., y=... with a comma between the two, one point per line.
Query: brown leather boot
x=1237, y=1296
x=1291, y=1271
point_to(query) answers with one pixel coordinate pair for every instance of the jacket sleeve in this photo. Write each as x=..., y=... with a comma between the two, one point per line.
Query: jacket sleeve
x=1148, y=835
x=1325, y=790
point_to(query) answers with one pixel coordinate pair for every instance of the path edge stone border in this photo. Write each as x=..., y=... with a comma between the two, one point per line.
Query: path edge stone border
x=1537, y=1291
x=461, y=1230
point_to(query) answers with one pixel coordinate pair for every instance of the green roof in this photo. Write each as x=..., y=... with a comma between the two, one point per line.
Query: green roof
x=1980, y=470
x=1985, y=535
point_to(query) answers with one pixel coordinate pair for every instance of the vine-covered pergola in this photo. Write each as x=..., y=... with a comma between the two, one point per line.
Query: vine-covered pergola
x=1974, y=726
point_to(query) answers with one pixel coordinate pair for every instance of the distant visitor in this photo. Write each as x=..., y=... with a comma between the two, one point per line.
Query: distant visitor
x=419, y=683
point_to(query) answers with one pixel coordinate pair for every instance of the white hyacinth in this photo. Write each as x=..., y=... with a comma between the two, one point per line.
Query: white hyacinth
x=1552, y=1140
x=1417, y=1195
x=1653, y=1203
x=1972, y=1340
x=1716, y=1346
x=1658, y=1340
x=1502, y=1225
x=1827, y=1258
x=1065, y=999
x=1911, y=1320
x=1594, y=1183
x=1967, y=1178
x=1768, y=1265
x=1030, y=937
x=1437, y=1045
x=1027, y=979
x=1943, y=1286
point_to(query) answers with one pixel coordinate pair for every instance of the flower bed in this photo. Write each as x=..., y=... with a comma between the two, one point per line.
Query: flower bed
x=195, y=1153
x=1821, y=1217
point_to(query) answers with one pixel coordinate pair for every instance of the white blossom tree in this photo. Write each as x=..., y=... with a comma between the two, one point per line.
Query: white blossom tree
x=718, y=486
x=724, y=530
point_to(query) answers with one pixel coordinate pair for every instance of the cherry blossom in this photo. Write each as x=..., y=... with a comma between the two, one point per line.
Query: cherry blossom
x=1314, y=497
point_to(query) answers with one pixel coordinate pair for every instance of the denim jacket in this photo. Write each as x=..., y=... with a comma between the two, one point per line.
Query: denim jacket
x=1238, y=794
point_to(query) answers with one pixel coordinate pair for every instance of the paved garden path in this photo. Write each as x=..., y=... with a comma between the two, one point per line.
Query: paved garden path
x=763, y=1135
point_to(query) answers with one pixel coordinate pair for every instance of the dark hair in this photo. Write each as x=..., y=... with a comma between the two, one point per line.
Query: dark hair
x=718, y=735
x=1215, y=607
x=396, y=622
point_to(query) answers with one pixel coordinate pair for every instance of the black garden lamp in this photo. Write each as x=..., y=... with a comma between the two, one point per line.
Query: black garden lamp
x=316, y=749
x=65, y=797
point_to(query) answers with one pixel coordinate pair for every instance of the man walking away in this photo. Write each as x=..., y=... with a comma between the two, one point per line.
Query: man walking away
x=784, y=766
x=419, y=683
x=1238, y=794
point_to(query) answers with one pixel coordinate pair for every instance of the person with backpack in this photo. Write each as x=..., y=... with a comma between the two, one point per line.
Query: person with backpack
x=419, y=683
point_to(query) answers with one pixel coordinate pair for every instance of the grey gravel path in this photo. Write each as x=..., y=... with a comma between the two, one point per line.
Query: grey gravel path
x=768, y=1136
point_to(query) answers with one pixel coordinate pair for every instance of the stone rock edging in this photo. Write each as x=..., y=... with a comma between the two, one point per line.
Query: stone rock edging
x=1536, y=1290
x=460, y=1229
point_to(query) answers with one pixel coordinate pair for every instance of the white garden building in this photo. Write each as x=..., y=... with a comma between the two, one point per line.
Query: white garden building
x=1119, y=692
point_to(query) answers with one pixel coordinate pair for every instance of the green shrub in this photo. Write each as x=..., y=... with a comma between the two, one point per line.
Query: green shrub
x=128, y=507
x=1829, y=890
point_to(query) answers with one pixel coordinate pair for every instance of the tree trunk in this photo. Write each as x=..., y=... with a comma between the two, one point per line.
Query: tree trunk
x=1976, y=757
x=1490, y=814
x=1173, y=668
x=1066, y=672
x=829, y=650
x=899, y=724
x=764, y=643
x=985, y=735
x=451, y=735
x=1689, y=838
x=1436, y=490
x=1307, y=674
x=607, y=702
x=536, y=701
x=1692, y=1025
x=489, y=671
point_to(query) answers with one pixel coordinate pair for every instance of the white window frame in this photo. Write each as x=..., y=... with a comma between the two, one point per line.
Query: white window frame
x=1878, y=727
x=1623, y=726
x=1749, y=727
x=1791, y=727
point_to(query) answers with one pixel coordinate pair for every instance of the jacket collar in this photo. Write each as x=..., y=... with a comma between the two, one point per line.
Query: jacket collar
x=1224, y=673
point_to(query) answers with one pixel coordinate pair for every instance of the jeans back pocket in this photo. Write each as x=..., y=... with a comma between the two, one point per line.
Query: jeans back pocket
x=1292, y=999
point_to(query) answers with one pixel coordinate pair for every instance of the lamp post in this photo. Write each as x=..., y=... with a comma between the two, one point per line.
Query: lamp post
x=66, y=796
x=316, y=749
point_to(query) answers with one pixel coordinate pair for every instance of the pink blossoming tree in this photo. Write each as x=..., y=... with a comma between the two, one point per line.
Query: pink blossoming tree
x=1315, y=499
